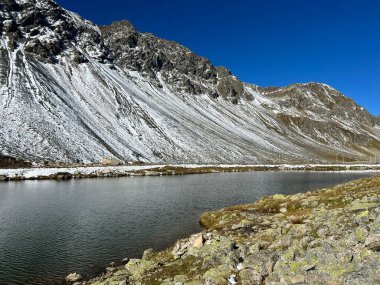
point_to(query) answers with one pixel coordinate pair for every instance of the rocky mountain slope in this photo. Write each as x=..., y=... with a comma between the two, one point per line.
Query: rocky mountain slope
x=74, y=92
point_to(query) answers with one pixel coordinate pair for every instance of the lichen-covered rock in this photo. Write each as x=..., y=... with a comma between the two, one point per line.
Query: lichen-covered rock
x=217, y=275
x=138, y=267
x=73, y=277
x=184, y=246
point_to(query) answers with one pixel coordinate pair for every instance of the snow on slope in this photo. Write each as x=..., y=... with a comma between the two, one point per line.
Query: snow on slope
x=74, y=101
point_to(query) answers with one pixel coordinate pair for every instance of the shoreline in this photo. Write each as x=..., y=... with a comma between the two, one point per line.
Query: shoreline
x=67, y=173
x=328, y=236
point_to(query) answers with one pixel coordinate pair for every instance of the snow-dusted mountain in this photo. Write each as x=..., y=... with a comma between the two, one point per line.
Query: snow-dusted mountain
x=71, y=91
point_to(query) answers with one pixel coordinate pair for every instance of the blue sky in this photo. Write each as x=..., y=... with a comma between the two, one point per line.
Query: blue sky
x=269, y=43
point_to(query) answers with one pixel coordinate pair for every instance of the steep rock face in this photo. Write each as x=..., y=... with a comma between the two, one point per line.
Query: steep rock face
x=309, y=107
x=47, y=32
x=70, y=91
x=163, y=61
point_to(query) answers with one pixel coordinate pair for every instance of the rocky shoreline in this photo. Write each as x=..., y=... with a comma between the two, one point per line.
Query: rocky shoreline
x=67, y=173
x=331, y=236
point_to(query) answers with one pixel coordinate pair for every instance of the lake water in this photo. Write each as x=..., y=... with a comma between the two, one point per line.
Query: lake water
x=49, y=229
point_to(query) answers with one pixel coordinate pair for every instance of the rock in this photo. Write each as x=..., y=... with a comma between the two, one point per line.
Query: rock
x=361, y=234
x=250, y=276
x=3, y=178
x=63, y=176
x=314, y=204
x=125, y=260
x=73, y=277
x=232, y=280
x=373, y=242
x=110, y=269
x=308, y=267
x=139, y=267
x=198, y=242
x=123, y=283
x=147, y=253
x=217, y=275
x=183, y=246
x=239, y=266
x=283, y=210
x=298, y=279
x=111, y=162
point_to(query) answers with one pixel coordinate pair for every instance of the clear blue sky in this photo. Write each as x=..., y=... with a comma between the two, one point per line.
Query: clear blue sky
x=266, y=42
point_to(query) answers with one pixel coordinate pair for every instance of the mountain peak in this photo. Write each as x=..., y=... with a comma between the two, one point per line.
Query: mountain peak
x=50, y=33
x=168, y=63
x=121, y=25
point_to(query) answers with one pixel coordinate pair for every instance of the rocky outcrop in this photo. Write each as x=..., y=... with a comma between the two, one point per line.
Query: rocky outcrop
x=73, y=277
x=331, y=236
x=309, y=104
x=163, y=61
x=49, y=33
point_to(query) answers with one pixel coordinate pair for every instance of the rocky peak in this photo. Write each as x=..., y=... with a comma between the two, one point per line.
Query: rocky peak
x=167, y=62
x=48, y=32
x=318, y=98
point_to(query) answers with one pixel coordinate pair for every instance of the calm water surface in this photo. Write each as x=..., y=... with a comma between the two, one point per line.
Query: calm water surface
x=49, y=229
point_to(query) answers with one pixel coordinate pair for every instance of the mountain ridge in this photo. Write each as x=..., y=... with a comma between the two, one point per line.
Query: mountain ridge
x=75, y=92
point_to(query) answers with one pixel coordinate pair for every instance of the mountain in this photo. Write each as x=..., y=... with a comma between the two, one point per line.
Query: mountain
x=75, y=92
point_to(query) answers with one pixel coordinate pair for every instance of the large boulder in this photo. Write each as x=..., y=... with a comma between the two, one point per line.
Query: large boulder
x=73, y=277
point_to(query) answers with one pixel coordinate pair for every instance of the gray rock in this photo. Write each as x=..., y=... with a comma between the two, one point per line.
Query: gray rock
x=3, y=178
x=250, y=276
x=73, y=277
x=147, y=253
x=373, y=242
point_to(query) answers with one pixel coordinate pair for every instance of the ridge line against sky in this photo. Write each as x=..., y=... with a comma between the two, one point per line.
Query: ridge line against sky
x=269, y=43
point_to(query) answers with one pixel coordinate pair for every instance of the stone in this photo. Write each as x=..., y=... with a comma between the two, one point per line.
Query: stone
x=283, y=210
x=147, y=253
x=198, y=242
x=232, y=280
x=183, y=246
x=138, y=267
x=217, y=275
x=125, y=260
x=314, y=204
x=250, y=276
x=308, y=267
x=239, y=266
x=63, y=176
x=110, y=269
x=361, y=234
x=3, y=178
x=73, y=277
x=298, y=279
x=373, y=242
